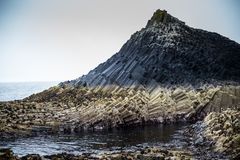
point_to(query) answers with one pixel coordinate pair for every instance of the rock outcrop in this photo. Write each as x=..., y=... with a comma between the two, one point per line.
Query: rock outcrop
x=219, y=132
x=166, y=72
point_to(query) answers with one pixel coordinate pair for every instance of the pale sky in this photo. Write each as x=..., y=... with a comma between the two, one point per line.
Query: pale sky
x=56, y=40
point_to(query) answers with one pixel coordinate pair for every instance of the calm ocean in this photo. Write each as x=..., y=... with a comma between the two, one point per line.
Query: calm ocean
x=20, y=90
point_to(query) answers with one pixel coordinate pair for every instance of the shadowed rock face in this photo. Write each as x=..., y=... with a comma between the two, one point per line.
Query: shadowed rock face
x=166, y=72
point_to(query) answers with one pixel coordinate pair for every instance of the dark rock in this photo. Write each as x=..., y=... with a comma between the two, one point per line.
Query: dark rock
x=65, y=156
x=6, y=154
x=31, y=157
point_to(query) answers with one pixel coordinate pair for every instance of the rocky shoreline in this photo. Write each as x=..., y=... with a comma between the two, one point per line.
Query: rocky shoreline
x=71, y=110
x=217, y=133
x=144, y=154
x=216, y=137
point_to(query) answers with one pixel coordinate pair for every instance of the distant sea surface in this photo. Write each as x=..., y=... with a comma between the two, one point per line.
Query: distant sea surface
x=20, y=90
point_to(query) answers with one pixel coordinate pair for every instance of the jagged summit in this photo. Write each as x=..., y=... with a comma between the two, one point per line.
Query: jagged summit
x=161, y=16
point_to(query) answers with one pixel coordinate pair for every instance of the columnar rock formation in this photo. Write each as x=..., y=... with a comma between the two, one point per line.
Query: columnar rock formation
x=219, y=132
x=164, y=73
x=168, y=52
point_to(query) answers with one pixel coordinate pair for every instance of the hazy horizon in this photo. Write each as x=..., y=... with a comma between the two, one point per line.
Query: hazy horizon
x=60, y=40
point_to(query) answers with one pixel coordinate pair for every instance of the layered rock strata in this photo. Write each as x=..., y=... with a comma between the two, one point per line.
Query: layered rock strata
x=74, y=109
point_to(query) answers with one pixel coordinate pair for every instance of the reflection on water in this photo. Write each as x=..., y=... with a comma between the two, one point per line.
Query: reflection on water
x=96, y=142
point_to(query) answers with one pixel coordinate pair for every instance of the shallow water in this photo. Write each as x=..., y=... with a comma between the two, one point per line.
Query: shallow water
x=98, y=142
x=86, y=142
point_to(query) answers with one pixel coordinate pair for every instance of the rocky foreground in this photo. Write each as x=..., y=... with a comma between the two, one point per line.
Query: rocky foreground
x=216, y=137
x=217, y=133
x=144, y=154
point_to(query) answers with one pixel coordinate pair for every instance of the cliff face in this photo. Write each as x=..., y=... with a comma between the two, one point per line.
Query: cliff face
x=164, y=73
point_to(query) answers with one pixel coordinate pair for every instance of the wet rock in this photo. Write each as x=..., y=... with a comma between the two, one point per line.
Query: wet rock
x=199, y=141
x=31, y=157
x=7, y=154
x=218, y=133
x=151, y=154
x=65, y=156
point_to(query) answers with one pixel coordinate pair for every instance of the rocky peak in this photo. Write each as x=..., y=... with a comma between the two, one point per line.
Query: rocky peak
x=162, y=17
x=167, y=52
